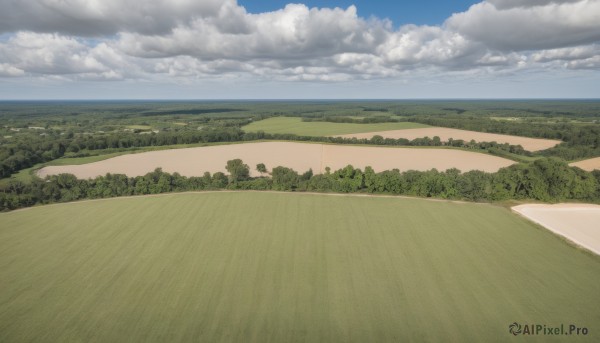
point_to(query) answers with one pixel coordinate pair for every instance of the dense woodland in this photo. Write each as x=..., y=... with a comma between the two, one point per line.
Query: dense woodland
x=37, y=132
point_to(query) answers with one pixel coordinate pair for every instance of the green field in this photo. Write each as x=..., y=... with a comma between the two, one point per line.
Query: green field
x=258, y=267
x=301, y=128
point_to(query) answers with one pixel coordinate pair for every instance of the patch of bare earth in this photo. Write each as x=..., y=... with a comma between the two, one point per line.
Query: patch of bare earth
x=579, y=223
x=530, y=144
x=298, y=156
x=589, y=165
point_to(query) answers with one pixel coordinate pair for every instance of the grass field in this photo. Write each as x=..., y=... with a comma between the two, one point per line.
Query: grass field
x=66, y=161
x=23, y=175
x=258, y=267
x=298, y=127
x=139, y=127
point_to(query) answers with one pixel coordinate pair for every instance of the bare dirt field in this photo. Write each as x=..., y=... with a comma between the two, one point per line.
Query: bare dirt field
x=530, y=144
x=589, y=165
x=579, y=223
x=298, y=156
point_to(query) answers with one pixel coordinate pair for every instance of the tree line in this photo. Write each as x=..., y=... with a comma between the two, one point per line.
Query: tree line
x=546, y=179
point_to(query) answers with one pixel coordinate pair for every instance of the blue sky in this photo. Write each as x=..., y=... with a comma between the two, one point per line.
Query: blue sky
x=422, y=12
x=215, y=49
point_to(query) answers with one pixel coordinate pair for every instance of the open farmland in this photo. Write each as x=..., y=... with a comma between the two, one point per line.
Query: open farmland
x=262, y=267
x=296, y=126
x=298, y=156
x=589, y=164
x=530, y=144
x=580, y=223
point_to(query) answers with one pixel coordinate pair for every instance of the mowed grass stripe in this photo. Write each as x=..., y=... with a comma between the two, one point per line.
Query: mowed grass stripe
x=294, y=125
x=284, y=267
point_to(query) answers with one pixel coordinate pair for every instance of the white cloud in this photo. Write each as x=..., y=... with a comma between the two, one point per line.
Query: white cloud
x=48, y=54
x=586, y=63
x=426, y=45
x=54, y=54
x=574, y=53
x=295, y=32
x=8, y=70
x=101, y=17
x=194, y=40
x=582, y=57
x=504, y=4
x=530, y=28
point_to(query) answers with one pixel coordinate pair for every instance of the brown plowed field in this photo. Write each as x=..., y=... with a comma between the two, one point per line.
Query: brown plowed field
x=298, y=156
x=530, y=144
x=589, y=165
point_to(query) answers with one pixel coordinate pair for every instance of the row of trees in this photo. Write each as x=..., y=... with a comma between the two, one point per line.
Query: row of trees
x=545, y=180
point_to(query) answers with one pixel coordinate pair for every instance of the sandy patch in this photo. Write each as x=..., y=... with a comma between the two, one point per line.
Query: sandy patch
x=298, y=156
x=530, y=144
x=589, y=165
x=579, y=223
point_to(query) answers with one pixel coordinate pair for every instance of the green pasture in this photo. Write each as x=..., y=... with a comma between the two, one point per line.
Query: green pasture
x=296, y=126
x=139, y=127
x=283, y=267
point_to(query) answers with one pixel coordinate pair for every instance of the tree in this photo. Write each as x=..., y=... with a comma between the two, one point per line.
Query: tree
x=370, y=179
x=474, y=185
x=261, y=168
x=377, y=139
x=558, y=176
x=238, y=171
x=219, y=180
x=347, y=180
x=307, y=175
x=284, y=179
x=164, y=183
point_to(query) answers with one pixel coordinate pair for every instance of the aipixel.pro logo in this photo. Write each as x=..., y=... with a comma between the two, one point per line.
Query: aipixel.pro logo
x=516, y=329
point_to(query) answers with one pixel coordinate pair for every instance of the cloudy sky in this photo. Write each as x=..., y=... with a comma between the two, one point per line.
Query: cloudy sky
x=251, y=49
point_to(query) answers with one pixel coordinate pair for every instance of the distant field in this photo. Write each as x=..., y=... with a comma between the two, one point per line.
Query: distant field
x=110, y=153
x=589, y=164
x=298, y=127
x=139, y=127
x=84, y=160
x=23, y=175
x=298, y=156
x=259, y=267
x=531, y=144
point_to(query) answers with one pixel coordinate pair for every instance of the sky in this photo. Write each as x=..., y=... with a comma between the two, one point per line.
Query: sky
x=422, y=12
x=228, y=49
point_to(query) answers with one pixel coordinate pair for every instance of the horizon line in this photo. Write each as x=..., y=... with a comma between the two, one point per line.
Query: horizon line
x=293, y=99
